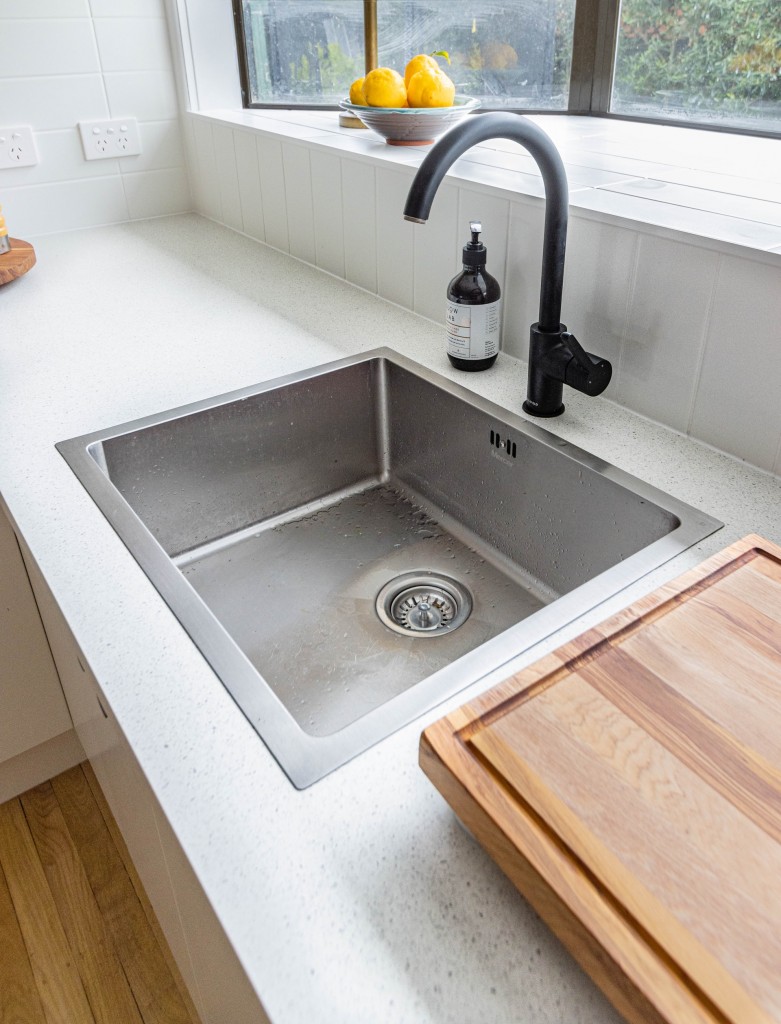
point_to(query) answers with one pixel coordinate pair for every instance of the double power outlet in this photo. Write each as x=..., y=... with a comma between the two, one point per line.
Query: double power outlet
x=101, y=140
x=107, y=140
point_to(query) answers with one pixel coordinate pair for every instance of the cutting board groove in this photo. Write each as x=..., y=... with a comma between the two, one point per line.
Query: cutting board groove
x=637, y=772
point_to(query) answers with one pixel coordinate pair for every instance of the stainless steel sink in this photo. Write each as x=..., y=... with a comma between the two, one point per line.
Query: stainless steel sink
x=350, y=545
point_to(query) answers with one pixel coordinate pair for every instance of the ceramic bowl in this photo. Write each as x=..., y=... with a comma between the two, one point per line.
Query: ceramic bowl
x=412, y=126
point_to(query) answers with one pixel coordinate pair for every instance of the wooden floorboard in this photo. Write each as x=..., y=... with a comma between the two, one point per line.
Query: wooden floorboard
x=53, y=962
x=130, y=867
x=19, y=1000
x=101, y=972
x=150, y=979
x=79, y=943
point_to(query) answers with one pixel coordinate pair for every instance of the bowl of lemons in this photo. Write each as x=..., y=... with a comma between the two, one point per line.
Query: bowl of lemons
x=409, y=110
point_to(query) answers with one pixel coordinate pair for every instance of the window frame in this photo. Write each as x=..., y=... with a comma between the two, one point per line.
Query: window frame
x=594, y=47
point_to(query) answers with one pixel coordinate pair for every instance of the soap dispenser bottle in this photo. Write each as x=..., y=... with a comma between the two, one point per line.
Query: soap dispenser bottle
x=473, y=310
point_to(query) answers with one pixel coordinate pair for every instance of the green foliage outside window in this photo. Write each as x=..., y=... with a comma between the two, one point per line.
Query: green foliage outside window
x=718, y=55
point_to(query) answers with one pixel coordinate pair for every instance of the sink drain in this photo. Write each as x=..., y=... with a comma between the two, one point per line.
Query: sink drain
x=424, y=604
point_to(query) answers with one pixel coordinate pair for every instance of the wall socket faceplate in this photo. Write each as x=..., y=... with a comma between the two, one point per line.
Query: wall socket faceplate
x=17, y=147
x=107, y=140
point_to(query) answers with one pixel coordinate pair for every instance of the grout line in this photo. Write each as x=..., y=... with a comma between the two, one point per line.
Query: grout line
x=100, y=59
x=105, y=97
x=627, y=308
x=235, y=167
x=503, y=282
x=376, y=231
x=776, y=468
x=341, y=205
x=62, y=74
x=703, y=346
x=68, y=128
x=681, y=205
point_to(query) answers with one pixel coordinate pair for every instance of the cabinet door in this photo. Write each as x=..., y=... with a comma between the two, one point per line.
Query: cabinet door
x=32, y=705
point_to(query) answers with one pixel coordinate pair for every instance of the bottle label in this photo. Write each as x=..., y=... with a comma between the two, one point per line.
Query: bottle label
x=473, y=331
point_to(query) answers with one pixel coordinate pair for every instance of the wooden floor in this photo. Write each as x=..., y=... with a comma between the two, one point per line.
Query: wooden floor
x=79, y=943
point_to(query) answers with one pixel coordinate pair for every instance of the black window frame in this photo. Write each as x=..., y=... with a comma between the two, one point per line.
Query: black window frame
x=594, y=47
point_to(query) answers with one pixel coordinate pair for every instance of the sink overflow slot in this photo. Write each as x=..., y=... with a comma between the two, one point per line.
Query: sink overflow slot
x=508, y=445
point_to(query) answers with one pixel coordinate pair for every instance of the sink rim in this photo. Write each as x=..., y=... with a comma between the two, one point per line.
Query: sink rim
x=306, y=758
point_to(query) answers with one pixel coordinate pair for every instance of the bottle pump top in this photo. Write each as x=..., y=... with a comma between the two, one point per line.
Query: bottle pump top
x=474, y=251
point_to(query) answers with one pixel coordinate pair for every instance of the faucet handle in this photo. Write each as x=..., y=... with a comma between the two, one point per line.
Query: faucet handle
x=585, y=373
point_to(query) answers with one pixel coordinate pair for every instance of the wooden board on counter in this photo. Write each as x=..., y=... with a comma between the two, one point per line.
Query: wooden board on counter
x=17, y=261
x=630, y=785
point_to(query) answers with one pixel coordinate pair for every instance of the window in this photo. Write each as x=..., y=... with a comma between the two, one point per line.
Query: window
x=709, y=62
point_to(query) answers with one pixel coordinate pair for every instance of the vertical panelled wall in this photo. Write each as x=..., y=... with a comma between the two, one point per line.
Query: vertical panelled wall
x=65, y=61
x=668, y=313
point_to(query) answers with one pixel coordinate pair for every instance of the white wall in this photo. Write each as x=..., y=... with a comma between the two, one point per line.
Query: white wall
x=692, y=327
x=62, y=61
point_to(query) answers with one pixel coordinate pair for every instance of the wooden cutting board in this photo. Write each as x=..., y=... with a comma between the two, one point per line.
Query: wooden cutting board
x=17, y=261
x=630, y=785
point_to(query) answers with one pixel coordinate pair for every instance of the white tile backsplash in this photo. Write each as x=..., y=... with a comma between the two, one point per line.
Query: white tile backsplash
x=147, y=95
x=52, y=102
x=65, y=61
x=326, y=171
x=44, y=9
x=521, y=282
x=47, y=46
x=669, y=311
x=133, y=44
x=359, y=218
x=437, y=253
x=207, y=194
x=65, y=205
x=298, y=189
x=248, y=175
x=272, y=189
x=738, y=402
x=161, y=143
x=599, y=276
x=127, y=8
x=395, y=238
x=227, y=176
x=157, y=193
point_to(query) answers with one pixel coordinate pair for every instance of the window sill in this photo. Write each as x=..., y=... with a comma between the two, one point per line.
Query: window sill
x=721, y=190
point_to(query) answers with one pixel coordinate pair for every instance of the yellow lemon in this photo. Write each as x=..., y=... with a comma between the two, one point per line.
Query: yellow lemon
x=430, y=88
x=356, y=92
x=418, y=63
x=384, y=87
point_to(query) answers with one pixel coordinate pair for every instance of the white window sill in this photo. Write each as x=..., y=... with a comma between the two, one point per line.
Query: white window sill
x=721, y=190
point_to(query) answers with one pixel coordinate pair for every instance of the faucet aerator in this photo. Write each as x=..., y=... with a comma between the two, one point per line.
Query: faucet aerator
x=555, y=355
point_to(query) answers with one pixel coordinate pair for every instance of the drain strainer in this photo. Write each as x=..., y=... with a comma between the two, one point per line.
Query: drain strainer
x=424, y=604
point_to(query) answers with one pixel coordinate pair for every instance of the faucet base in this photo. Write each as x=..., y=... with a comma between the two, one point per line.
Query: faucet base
x=536, y=410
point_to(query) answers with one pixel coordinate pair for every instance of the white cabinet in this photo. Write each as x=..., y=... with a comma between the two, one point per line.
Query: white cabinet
x=35, y=726
x=215, y=979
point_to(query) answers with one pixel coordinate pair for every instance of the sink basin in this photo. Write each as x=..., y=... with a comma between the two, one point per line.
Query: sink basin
x=350, y=545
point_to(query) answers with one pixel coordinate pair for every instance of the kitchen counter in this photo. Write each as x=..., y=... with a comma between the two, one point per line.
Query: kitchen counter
x=359, y=899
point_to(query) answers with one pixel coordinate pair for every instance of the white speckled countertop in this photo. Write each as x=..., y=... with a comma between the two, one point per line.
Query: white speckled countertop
x=359, y=899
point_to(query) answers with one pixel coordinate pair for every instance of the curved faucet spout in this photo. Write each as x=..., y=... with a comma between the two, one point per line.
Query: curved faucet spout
x=555, y=356
x=479, y=128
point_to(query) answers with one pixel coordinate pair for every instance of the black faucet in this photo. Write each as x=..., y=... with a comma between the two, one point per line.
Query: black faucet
x=555, y=356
